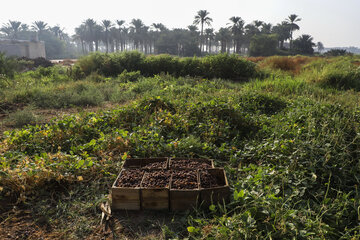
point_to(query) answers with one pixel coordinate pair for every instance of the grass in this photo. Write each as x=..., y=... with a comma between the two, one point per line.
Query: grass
x=289, y=143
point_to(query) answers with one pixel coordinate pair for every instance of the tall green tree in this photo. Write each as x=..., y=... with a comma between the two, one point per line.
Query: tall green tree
x=15, y=27
x=304, y=45
x=107, y=24
x=283, y=32
x=90, y=32
x=202, y=17
x=224, y=37
x=209, y=37
x=136, y=28
x=237, y=30
x=292, y=22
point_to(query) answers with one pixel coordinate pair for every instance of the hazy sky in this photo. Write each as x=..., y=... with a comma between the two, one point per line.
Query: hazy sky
x=333, y=22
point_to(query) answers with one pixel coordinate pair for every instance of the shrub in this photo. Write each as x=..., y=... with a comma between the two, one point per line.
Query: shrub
x=288, y=64
x=216, y=66
x=126, y=76
x=23, y=117
x=8, y=66
x=341, y=75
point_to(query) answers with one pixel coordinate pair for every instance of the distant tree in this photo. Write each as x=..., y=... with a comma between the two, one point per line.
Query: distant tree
x=320, y=47
x=304, y=44
x=107, y=25
x=291, y=21
x=258, y=24
x=15, y=28
x=80, y=36
x=121, y=37
x=136, y=28
x=25, y=27
x=159, y=27
x=336, y=52
x=90, y=33
x=237, y=30
x=209, y=37
x=263, y=45
x=7, y=30
x=40, y=27
x=202, y=18
x=283, y=32
x=224, y=37
x=266, y=28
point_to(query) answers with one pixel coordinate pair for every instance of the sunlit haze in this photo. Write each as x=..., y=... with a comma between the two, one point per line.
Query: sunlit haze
x=335, y=23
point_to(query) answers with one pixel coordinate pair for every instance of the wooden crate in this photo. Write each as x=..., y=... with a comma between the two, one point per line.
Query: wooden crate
x=153, y=198
x=163, y=160
x=214, y=195
x=141, y=162
x=209, y=161
x=132, y=163
x=184, y=199
x=125, y=197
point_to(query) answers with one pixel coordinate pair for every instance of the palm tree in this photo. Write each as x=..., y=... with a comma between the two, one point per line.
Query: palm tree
x=209, y=34
x=266, y=28
x=15, y=27
x=224, y=37
x=107, y=25
x=304, y=44
x=291, y=20
x=202, y=18
x=90, y=30
x=39, y=27
x=320, y=46
x=7, y=30
x=159, y=27
x=283, y=31
x=119, y=40
x=136, y=28
x=80, y=35
x=56, y=30
x=258, y=24
x=97, y=35
x=237, y=29
x=24, y=27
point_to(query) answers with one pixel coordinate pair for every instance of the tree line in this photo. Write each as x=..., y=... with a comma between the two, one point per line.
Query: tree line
x=257, y=38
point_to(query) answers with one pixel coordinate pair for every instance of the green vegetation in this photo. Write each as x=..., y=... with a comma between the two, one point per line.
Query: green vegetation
x=289, y=142
x=256, y=38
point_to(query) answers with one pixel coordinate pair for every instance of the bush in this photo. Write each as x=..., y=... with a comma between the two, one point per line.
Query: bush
x=342, y=75
x=288, y=64
x=23, y=117
x=8, y=66
x=216, y=66
x=126, y=76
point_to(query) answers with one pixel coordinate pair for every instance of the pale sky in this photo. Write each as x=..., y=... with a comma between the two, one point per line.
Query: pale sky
x=335, y=23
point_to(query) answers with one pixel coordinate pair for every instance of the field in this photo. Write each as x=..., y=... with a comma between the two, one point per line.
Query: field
x=286, y=129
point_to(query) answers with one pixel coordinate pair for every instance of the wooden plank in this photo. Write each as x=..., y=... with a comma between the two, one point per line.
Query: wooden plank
x=155, y=198
x=125, y=197
x=215, y=195
x=181, y=200
x=184, y=199
x=146, y=161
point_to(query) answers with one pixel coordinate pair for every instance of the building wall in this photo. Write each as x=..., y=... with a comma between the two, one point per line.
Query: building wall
x=23, y=48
